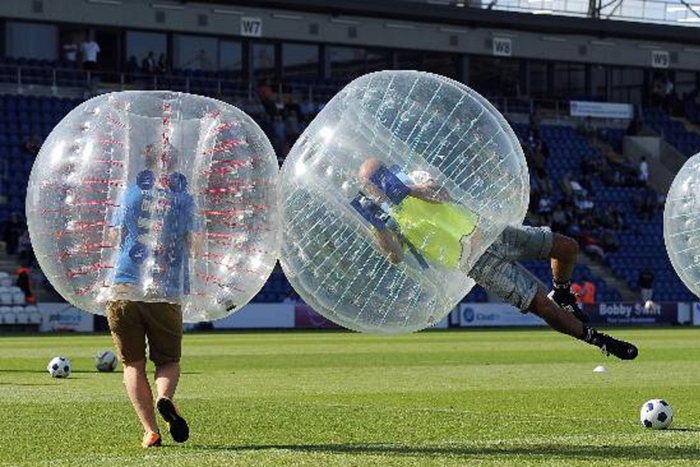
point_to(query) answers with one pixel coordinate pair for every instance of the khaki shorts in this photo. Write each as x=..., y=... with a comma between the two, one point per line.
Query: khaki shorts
x=132, y=322
x=498, y=271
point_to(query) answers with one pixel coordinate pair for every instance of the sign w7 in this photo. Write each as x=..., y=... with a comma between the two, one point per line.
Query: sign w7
x=251, y=27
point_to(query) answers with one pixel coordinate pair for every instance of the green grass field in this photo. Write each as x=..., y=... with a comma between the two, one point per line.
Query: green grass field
x=507, y=398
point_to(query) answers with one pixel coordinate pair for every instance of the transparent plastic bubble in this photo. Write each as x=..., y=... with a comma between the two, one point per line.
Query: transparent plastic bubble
x=411, y=157
x=157, y=197
x=682, y=224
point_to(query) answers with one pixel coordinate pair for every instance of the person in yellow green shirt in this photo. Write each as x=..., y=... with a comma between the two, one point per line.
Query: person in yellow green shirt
x=423, y=217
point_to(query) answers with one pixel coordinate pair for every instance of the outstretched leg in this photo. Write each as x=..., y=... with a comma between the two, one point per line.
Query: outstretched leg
x=563, y=257
x=566, y=323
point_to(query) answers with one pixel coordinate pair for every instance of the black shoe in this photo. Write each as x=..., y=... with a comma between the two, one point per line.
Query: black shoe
x=609, y=345
x=566, y=299
x=179, y=429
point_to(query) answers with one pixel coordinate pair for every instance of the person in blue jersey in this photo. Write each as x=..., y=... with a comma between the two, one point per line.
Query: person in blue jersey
x=156, y=230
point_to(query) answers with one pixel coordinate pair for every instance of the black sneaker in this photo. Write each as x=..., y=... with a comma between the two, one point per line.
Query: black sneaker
x=566, y=299
x=179, y=429
x=609, y=345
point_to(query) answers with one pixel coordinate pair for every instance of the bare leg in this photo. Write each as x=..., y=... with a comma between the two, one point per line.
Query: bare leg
x=139, y=391
x=556, y=317
x=566, y=323
x=167, y=377
x=564, y=255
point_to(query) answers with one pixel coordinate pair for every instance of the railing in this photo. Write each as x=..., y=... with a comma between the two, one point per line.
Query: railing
x=315, y=92
x=25, y=75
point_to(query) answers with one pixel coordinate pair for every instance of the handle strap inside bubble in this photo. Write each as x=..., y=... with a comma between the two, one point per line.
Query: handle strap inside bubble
x=380, y=220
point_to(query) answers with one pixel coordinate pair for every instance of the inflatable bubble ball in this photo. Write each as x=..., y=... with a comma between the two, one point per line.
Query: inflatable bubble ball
x=682, y=224
x=391, y=195
x=156, y=197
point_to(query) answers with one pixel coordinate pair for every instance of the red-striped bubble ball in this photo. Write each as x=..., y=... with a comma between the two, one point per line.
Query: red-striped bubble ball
x=156, y=196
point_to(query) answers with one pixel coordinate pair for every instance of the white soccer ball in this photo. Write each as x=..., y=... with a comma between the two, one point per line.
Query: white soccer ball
x=105, y=361
x=59, y=367
x=649, y=305
x=656, y=414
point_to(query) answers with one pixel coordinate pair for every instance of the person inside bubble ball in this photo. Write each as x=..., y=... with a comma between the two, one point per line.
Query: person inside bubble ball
x=155, y=228
x=425, y=219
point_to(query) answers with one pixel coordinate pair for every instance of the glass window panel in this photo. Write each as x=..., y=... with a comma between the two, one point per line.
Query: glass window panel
x=377, y=60
x=300, y=60
x=409, y=60
x=347, y=62
x=442, y=64
x=140, y=44
x=263, y=61
x=685, y=82
x=569, y=80
x=30, y=40
x=231, y=57
x=494, y=76
x=195, y=52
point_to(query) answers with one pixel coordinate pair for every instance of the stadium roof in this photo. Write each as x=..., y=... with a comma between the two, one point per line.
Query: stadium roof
x=672, y=20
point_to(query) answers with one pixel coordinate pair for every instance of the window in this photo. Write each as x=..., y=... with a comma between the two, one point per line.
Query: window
x=195, y=52
x=409, y=60
x=442, y=64
x=569, y=80
x=627, y=85
x=377, y=60
x=347, y=63
x=33, y=41
x=300, y=60
x=139, y=44
x=231, y=57
x=494, y=76
x=264, y=59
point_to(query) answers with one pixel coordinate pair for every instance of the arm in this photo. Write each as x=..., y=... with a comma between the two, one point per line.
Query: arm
x=430, y=192
x=390, y=244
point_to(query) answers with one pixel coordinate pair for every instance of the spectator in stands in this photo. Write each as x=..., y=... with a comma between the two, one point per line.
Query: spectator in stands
x=31, y=147
x=280, y=135
x=559, y=218
x=582, y=202
x=576, y=289
x=25, y=251
x=592, y=247
x=149, y=65
x=201, y=61
x=132, y=66
x=90, y=49
x=163, y=64
x=588, y=290
x=267, y=97
x=608, y=241
x=589, y=129
x=645, y=280
x=544, y=209
x=291, y=121
x=670, y=96
x=12, y=231
x=647, y=204
x=545, y=183
x=70, y=52
x=24, y=282
x=611, y=218
x=643, y=171
x=657, y=91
